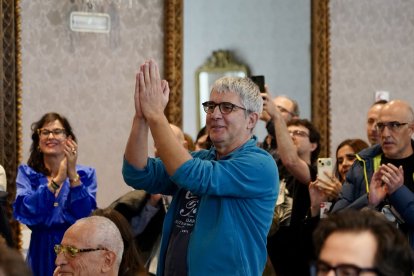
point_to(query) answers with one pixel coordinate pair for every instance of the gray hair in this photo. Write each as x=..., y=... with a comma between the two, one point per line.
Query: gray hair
x=104, y=234
x=245, y=88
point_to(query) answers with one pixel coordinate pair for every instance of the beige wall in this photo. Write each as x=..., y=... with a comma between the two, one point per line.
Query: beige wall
x=372, y=48
x=88, y=77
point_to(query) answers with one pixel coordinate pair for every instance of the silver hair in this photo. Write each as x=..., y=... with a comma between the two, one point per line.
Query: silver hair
x=245, y=88
x=105, y=233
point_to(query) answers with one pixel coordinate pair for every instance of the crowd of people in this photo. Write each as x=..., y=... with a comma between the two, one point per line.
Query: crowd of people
x=226, y=204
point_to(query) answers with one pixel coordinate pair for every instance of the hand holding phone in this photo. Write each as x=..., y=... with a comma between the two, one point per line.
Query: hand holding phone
x=325, y=165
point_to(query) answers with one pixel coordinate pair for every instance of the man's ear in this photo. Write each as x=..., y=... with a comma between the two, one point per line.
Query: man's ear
x=109, y=261
x=411, y=126
x=185, y=144
x=253, y=118
x=313, y=146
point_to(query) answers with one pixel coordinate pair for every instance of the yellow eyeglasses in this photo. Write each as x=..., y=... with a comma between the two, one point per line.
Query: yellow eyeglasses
x=72, y=251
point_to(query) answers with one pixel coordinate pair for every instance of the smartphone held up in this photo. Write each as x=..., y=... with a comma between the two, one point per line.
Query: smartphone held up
x=325, y=165
x=259, y=81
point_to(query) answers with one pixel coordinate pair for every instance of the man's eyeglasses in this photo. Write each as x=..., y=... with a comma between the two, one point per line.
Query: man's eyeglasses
x=392, y=126
x=298, y=133
x=57, y=132
x=73, y=251
x=225, y=107
x=284, y=110
x=321, y=268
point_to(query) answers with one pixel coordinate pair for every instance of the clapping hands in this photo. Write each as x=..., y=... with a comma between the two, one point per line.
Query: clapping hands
x=67, y=166
x=386, y=180
x=151, y=93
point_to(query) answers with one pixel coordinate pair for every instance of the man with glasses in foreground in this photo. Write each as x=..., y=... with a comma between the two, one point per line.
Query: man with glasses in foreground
x=383, y=175
x=356, y=243
x=92, y=246
x=223, y=198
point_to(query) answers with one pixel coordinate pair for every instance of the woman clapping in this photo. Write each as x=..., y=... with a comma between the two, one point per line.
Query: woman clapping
x=52, y=190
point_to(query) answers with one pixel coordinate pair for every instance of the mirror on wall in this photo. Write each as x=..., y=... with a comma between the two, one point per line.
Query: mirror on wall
x=272, y=38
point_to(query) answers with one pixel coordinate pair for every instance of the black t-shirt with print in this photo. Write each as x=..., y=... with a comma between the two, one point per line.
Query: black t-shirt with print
x=183, y=225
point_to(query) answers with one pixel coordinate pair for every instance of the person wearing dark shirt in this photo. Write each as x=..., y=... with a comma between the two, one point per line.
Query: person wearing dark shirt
x=298, y=149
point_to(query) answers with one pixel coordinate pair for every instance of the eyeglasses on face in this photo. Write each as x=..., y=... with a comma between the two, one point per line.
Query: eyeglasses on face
x=392, y=126
x=284, y=110
x=57, y=132
x=298, y=133
x=225, y=107
x=321, y=268
x=73, y=251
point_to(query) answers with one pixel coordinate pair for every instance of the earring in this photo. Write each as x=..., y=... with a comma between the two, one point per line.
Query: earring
x=38, y=149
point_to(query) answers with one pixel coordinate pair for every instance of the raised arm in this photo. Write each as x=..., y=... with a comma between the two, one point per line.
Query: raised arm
x=136, y=151
x=286, y=149
x=153, y=94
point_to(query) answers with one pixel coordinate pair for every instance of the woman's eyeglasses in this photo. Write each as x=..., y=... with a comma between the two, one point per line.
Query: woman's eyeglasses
x=57, y=132
x=73, y=251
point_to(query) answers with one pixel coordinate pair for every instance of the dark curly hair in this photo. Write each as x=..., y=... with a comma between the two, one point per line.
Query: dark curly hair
x=394, y=256
x=36, y=156
x=314, y=136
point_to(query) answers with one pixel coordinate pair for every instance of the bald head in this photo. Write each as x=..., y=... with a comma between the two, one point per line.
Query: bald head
x=102, y=245
x=396, y=127
x=288, y=107
x=97, y=231
x=400, y=108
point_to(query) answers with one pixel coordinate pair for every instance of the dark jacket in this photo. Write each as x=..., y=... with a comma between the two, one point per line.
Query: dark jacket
x=355, y=189
x=130, y=205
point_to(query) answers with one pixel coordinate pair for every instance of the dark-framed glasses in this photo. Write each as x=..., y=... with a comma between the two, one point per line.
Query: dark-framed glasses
x=73, y=251
x=57, y=132
x=225, y=107
x=321, y=268
x=392, y=126
x=298, y=133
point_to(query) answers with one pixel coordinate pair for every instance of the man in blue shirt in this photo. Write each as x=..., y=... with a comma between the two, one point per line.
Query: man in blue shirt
x=223, y=198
